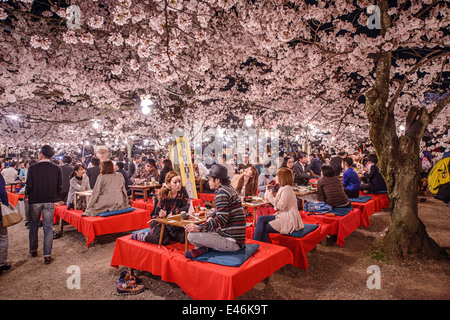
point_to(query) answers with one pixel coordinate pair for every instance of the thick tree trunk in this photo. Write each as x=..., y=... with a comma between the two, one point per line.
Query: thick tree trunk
x=407, y=234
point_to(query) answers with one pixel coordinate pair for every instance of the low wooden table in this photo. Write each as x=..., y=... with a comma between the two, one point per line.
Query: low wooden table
x=303, y=193
x=142, y=189
x=177, y=221
x=13, y=186
x=87, y=194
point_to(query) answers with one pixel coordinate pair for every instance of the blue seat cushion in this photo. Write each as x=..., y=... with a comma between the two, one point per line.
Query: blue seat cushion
x=303, y=232
x=360, y=199
x=115, y=212
x=229, y=259
x=341, y=211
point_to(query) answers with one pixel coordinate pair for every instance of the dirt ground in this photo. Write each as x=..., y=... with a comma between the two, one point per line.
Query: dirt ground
x=334, y=273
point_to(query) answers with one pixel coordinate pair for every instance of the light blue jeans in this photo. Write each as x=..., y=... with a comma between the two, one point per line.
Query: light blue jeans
x=213, y=240
x=47, y=219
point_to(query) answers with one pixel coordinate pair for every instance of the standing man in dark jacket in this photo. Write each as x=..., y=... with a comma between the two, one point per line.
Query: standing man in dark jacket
x=43, y=187
x=119, y=167
x=336, y=163
x=66, y=169
x=93, y=171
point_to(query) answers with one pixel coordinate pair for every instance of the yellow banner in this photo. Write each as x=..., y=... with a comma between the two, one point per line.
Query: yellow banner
x=186, y=168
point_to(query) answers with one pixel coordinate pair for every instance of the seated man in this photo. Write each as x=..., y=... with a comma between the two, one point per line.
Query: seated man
x=224, y=230
x=302, y=170
x=374, y=180
x=350, y=179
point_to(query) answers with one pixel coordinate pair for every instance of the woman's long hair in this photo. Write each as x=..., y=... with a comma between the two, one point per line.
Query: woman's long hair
x=252, y=185
x=75, y=169
x=165, y=187
x=167, y=165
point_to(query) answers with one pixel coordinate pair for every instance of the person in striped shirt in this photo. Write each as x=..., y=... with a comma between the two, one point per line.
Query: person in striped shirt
x=224, y=230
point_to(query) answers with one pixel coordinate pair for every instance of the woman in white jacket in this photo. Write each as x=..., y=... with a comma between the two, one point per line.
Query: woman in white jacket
x=287, y=219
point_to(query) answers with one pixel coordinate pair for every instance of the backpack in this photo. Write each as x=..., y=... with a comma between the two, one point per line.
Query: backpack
x=439, y=175
x=443, y=193
x=318, y=206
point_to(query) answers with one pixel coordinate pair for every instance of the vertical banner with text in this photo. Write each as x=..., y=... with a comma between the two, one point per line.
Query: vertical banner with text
x=186, y=168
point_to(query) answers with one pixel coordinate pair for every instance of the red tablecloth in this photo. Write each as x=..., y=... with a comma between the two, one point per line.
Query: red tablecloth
x=381, y=200
x=367, y=209
x=13, y=198
x=140, y=204
x=206, y=196
x=342, y=226
x=91, y=227
x=298, y=246
x=200, y=280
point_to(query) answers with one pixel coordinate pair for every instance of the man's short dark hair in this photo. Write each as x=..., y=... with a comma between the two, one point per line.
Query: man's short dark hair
x=47, y=151
x=13, y=164
x=95, y=161
x=67, y=159
x=349, y=161
x=342, y=153
x=372, y=158
x=120, y=164
x=327, y=171
x=301, y=155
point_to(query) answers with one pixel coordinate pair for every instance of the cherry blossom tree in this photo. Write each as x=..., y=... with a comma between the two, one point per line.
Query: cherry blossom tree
x=352, y=70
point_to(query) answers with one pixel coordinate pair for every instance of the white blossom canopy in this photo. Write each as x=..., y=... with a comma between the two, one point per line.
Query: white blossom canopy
x=299, y=64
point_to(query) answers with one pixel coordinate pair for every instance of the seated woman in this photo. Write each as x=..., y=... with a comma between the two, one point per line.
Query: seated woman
x=172, y=199
x=288, y=162
x=350, y=179
x=265, y=177
x=374, y=180
x=330, y=189
x=247, y=183
x=79, y=181
x=109, y=192
x=287, y=219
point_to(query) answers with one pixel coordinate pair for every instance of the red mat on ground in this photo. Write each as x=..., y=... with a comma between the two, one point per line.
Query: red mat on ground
x=200, y=280
x=367, y=209
x=342, y=226
x=298, y=246
x=91, y=227
x=13, y=198
x=381, y=200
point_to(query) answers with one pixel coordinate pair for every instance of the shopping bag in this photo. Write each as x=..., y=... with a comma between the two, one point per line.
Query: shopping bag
x=10, y=216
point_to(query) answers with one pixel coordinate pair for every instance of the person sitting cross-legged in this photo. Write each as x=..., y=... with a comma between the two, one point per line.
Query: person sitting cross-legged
x=224, y=230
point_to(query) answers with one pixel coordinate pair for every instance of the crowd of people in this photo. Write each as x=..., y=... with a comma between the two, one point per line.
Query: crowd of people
x=48, y=181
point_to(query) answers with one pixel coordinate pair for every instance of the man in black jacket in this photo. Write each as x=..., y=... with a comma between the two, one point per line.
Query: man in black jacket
x=43, y=187
x=66, y=170
x=336, y=162
x=93, y=171
x=302, y=170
